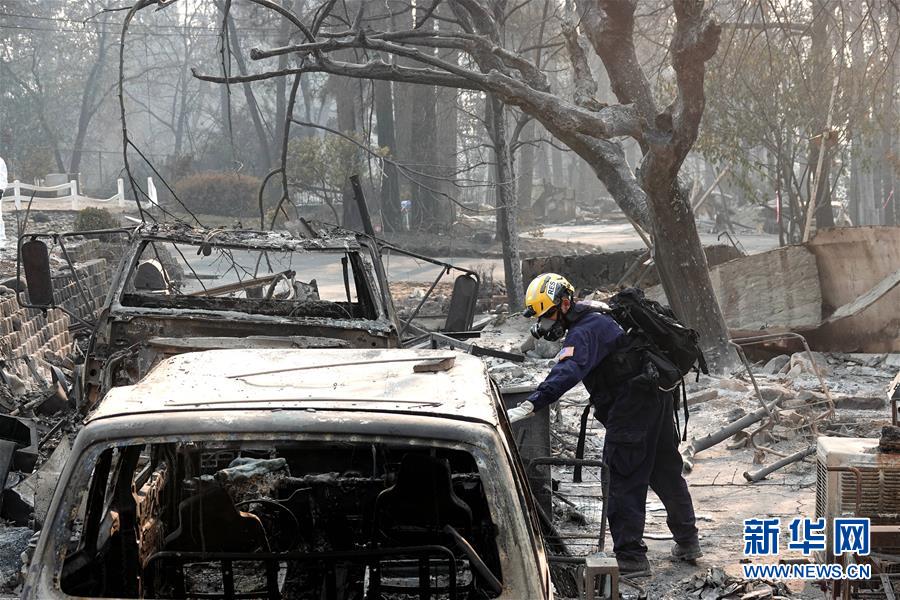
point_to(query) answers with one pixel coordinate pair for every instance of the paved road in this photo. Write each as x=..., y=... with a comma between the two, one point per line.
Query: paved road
x=612, y=237
x=326, y=268
x=616, y=236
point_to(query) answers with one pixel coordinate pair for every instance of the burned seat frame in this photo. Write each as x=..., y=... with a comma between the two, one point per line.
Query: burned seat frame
x=327, y=562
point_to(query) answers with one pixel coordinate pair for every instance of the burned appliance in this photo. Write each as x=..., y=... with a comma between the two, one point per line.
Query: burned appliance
x=860, y=477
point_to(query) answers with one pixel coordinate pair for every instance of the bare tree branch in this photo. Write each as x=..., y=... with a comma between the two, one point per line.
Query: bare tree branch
x=585, y=86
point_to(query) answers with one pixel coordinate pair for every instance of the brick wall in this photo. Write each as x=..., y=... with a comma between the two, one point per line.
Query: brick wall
x=29, y=335
x=93, y=276
x=32, y=339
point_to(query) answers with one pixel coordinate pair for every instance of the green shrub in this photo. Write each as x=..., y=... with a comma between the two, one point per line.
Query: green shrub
x=90, y=219
x=220, y=193
x=325, y=162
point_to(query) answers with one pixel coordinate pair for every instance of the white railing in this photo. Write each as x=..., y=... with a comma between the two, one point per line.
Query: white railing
x=21, y=193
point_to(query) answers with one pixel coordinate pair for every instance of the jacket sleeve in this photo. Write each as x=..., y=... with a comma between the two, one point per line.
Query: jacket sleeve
x=589, y=346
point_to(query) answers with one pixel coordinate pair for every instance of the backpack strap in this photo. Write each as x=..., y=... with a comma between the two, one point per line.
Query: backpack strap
x=677, y=420
x=579, y=447
x=678, y=431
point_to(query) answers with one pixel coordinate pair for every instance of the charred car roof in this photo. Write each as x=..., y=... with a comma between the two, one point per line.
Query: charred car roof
x=317, y=236
x=278, y=379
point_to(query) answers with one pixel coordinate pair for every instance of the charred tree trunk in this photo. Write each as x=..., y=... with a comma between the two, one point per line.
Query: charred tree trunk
x=680, y=259
x=423, y=155
x=390, y=185
x=892, y=162
x=822, y=193
x=819, y=78
x=445, y=152
x=344, y=93
x=526, y=166
x=660, y=204
x=507, y=227
x=857, y=117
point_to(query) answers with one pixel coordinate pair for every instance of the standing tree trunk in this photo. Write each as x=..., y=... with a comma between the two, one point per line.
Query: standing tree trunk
x=90, y=101
x=526, y=166
x=820, y=80
x=343, y=90
x=284, y=36
x=423, y=155
x=507, y=228
x=889, y=158
x=390, y=184
x=445, y=151
x=264, y=161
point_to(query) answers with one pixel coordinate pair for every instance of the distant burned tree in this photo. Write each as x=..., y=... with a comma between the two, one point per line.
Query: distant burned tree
x=458, y=44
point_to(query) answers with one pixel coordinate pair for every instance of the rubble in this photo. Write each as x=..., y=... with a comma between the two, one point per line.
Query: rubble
x=800, y=363
x=13, y=541
x=776, y=364
x=36, y=490
x=892, y=361
x=716, y=584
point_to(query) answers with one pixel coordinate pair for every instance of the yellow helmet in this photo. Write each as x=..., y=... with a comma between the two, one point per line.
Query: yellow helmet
x=544, y=292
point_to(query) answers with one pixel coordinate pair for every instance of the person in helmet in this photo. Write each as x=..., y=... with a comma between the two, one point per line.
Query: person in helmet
x=641, y=444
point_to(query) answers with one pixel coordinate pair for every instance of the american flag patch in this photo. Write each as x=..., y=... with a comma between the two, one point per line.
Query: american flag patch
x=566, y=352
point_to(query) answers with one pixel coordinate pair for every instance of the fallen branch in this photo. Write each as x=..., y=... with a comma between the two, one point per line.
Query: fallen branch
x=765, y=471
x=724, y=433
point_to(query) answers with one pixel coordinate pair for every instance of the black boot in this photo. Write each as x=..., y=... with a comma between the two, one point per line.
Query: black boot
x=634, y=567
x=688, y=551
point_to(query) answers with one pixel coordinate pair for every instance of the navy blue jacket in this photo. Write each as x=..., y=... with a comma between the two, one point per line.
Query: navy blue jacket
x=590, y=339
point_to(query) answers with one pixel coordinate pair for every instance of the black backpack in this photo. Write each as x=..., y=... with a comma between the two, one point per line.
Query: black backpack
x=677, y=346
x=672, y=347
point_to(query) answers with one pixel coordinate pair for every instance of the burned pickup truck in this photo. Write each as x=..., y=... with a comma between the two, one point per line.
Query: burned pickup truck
x=178, y=289
x=294, y=474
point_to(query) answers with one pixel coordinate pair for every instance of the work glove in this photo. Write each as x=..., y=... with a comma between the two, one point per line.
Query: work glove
x=520, y=412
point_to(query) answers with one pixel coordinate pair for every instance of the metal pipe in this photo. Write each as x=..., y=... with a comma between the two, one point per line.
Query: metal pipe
x=743, y=357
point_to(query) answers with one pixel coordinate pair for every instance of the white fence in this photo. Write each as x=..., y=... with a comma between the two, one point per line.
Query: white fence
x=21, y=194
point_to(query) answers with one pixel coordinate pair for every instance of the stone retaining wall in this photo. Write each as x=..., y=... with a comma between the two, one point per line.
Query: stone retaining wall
x=603, y=271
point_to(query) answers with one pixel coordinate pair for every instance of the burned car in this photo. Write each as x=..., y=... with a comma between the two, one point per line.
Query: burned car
x=281, y=473
x=178, y=289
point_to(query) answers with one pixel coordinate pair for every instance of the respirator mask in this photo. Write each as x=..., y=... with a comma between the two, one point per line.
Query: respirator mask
x=549, y=329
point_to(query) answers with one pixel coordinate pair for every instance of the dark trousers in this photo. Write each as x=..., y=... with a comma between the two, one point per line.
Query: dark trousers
x=641, y=449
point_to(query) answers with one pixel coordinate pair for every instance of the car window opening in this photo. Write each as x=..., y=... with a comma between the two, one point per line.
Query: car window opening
x=282, y=520
x=324, y=283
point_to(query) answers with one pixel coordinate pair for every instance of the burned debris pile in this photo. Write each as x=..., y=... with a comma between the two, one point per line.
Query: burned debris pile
x=40, y=350
x=716, y=584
